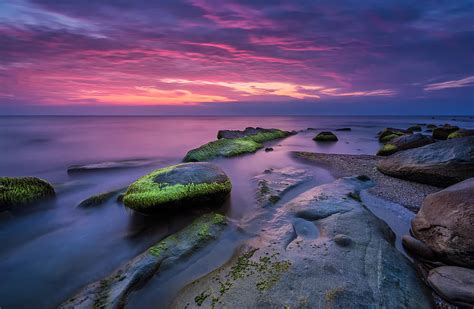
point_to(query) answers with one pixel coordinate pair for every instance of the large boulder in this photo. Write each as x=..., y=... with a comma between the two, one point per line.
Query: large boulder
x=113, y=291
x=17, y=191
x=326, y=136
x=445, y=223
x=180, y=186
x=454, y=284
x=440, y=164
x=323, y=249
x=404, y=142
x=461, y=133
x=388, y=134
x=236, y=143
x=444, y=131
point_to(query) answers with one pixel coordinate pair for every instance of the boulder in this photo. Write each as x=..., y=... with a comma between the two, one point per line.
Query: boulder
x=17, y=191
x=389, y=133
x=113, y=291
x=235, y=145
x=454, y=284
x=325, y=136
x=431, y=126
x=418, y=248
x=445, y=223
x=387, y=149
x=407, y=141
x=461, y=133
x=302, y=257
x=440, y=164
x=178, y=187
x=444, y=131
x=416, y=128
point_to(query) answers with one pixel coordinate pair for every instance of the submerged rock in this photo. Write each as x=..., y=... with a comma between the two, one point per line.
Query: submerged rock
x=99, y=199
x=295, y=263
x=440, y=164
x=461, y=133
x=230, y=147
x=444, y=131
x=274, y=183
x=109, y=165
x=17, y=191
x=445, y=223
x=454, y=284
x=112, y=292
x=325, y=136
x=344, y=129
x=177, y=187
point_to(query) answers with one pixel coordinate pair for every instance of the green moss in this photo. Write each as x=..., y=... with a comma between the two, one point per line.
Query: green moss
x=388, y=138
x=144, y=193
x=387, y=150
x=325, y=137
x=274, y=199
x=23, y=190
x=158, y=249
x=100, y=300
x=232, y=147
x=199, y=300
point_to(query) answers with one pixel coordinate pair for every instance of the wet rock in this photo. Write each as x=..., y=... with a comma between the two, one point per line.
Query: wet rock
x=238, y=143
x=344, y=129
x=454, y=284
x=177, y=187
x=404, y=142
x=444, y=131
x=416, y=128
x=293, y=262
x=440, y=164
x=268, y=149
x=387, y=149
x=274, y=183
x=388, y=134
x=445, y=223
x=461, y=133
x=343, y=240
x=112, y=292
x=325, y=136
x=18, y=191
x=418, y=248
x=431, y=126
x=99, y=199
x=109, y=165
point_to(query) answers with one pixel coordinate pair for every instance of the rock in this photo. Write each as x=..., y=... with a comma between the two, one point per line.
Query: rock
x=294, y=262
x=416, y=128
x=440, y=164
x=325, y=136
x=99, y=199
x=454, y=284
x=342, y=240
x=461, y=133
x=344, y=129
x=109, y=165
x=444, y=131
x=445, y=223
x=249, y=132
x=407, y=141
x=112, y=292
x=177, y=187
x=431, y=126
x=274, y=183
x=230, y=147
x=418, y=248
x=268, y=149
x=390, y=133
x=18, y=191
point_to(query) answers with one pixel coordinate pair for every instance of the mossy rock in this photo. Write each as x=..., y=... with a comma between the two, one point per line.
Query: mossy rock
x=99, y=199
x=388, y=138
x=250, y=132
x=15, y=191
x=325, y=136
x=416, y=128
x=179, y=186
x=230, y=147
x=385, y=134
x=387, y=150
x=443, y=132
x=461, y=133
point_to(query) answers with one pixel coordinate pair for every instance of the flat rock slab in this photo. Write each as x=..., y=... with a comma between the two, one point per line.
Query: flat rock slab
x=454, y=284
x=300, y=259
x=440, y=164
x=274, y=183
x=112, y=292
x=109, y=165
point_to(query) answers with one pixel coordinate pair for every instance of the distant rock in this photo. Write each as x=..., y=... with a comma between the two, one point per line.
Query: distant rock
x=18, y=191
x=344, y=129
x=431, y=126
x=440, y=164
x=268, y=149
x=113, y=291
x=109, y=165
x=178, y=187
x=249, y=131
x=416, y=128
x=443, y=132
x=461, y=133
x=325, y=136
x=454, y=284
x=388, y=134
x=445, y=223
x=320, y=250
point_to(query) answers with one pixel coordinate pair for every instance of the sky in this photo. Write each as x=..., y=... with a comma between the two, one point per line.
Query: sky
x=236, y=57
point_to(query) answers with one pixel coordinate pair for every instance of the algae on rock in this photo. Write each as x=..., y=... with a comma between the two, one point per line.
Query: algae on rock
x=15, y=191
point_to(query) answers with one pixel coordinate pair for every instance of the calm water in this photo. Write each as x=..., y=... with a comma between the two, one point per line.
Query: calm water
x=50, y=251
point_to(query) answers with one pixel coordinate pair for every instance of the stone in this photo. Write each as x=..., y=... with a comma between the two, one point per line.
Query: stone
x=445, y=223
x=439, y=164
x=342, y=240
x=418, y=248
x=416, y=128
x=389, y=133
x=249, y=131
x=454, y=284
x=461, y=133
x=20, y=191
x=325, y=136
x=443, y=132
x=109, y=165
x=344, y=129
x=268, y=149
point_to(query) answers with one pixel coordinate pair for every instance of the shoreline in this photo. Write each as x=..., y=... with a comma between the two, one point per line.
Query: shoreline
x=406, y=193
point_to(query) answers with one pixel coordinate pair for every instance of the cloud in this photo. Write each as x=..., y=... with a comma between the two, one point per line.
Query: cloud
x=459, y=83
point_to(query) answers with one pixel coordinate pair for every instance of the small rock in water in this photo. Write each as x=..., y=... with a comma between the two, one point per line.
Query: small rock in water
x=326, y=136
